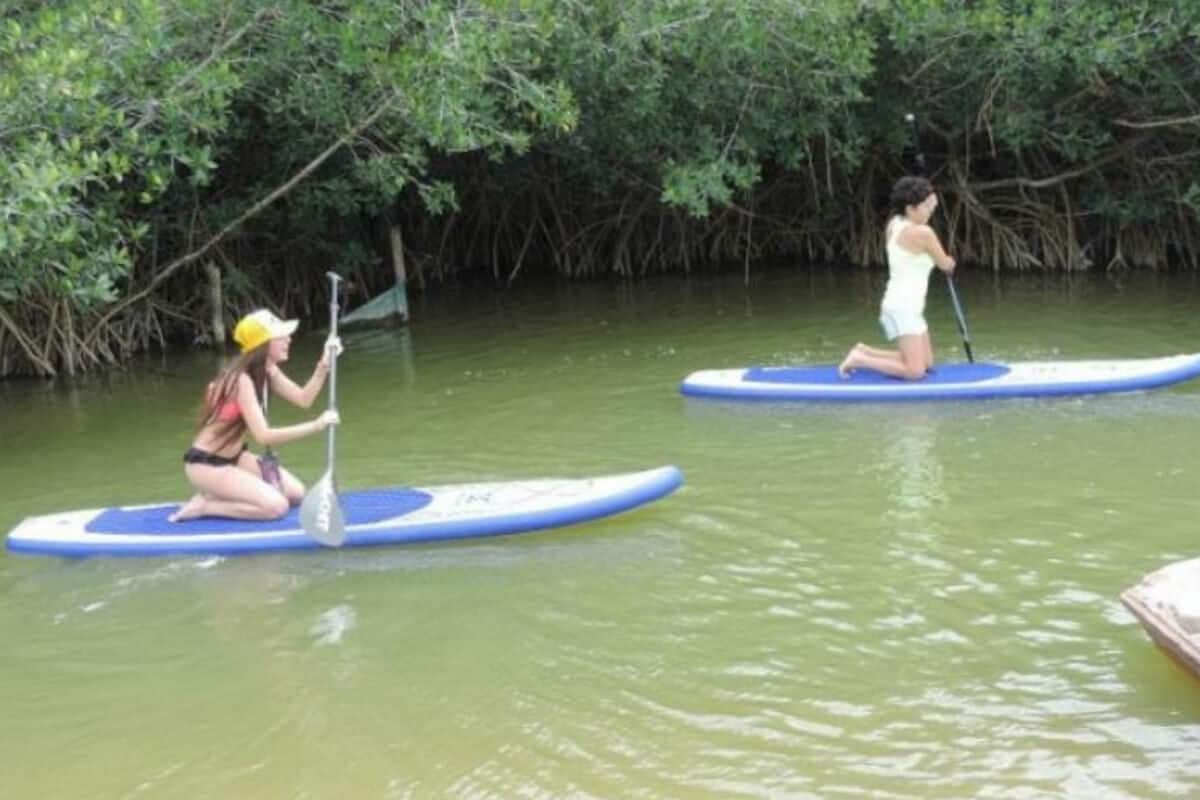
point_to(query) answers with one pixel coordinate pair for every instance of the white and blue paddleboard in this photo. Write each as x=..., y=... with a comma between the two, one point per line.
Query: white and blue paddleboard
x=372, y=517
x=946, y=382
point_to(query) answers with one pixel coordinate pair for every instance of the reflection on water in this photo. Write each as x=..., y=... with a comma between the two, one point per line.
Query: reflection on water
x=914, y=493
x=909, y=460
x=889, y=601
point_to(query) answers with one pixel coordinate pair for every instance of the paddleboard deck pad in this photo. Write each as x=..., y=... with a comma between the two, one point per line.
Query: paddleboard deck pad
x=372, y=517
x=946, y=382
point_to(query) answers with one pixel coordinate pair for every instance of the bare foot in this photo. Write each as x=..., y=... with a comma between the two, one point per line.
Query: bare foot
x=847, y=363
x=189, y=510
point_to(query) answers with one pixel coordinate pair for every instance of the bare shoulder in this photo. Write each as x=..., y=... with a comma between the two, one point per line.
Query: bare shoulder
x=916, y=237
x=245, y=386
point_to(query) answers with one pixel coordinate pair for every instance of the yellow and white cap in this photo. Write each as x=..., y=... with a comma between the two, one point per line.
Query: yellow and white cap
x=261, y=326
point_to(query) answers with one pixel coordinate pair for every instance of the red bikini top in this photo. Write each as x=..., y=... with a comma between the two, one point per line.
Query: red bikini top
x=229, y=411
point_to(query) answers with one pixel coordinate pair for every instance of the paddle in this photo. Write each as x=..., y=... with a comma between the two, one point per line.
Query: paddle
x=962, y=321
x=958, y=311
x=321, y=513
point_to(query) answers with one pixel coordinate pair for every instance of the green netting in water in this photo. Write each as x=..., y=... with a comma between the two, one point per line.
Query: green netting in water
x=389, y=306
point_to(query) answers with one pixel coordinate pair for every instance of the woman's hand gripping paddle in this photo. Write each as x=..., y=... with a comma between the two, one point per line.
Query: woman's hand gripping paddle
x=958, y=312
x=321, y=513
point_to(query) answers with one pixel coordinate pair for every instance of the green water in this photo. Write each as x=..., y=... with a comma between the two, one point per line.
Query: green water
x=914, y=601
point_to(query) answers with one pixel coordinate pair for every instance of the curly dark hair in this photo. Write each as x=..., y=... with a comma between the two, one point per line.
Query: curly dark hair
x=911, y=190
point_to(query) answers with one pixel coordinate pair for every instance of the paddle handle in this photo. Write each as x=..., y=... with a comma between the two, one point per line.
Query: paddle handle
x=330, y=432
x=918, y=155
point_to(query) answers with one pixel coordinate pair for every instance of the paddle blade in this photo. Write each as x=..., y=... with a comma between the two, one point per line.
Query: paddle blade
x=321, y=513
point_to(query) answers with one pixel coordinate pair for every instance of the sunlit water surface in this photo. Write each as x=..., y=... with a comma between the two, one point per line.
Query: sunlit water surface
x=843, y=601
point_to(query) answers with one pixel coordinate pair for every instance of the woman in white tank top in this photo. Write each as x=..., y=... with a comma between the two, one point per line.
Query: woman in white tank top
x=913, y=250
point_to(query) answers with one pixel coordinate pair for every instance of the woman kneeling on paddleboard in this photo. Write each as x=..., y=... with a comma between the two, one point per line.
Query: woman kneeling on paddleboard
x=230, y=481
x=913, y=250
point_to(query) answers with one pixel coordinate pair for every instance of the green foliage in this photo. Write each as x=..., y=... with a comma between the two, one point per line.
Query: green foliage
x=695, y=95
x=102, y=111
x=119, y=110
x=465, y=78
x=699, y=185
x=1040, y=75
x=510, y=131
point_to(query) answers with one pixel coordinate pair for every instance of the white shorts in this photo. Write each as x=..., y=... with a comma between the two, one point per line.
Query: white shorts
x=899, y=322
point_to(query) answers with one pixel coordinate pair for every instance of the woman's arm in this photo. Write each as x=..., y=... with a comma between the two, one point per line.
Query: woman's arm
x=933, y=246
x=257, y=425
x=304, y=396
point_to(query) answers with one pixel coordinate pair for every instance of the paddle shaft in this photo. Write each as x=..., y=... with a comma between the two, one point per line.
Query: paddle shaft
x=960, y=318
x=334, y=279
x=320, y=513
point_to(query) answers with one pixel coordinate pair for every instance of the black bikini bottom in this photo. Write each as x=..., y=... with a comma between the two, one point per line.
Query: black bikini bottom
x=195, y=455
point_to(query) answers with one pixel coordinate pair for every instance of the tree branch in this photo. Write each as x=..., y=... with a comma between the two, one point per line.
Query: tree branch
x=1159, y=123
x=1062, y=177
x=153, y=106
x=249, y=214
x=30, y=351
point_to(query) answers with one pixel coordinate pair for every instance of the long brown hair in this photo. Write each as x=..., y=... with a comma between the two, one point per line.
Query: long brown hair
x=223, y=389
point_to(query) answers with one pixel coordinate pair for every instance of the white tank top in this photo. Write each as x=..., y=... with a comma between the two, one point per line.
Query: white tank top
x=908, y=273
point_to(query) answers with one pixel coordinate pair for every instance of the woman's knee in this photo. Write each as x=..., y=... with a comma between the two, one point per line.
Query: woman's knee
x=268, y=504
x=275, y=506
x=913, y=369
x=291, y=487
